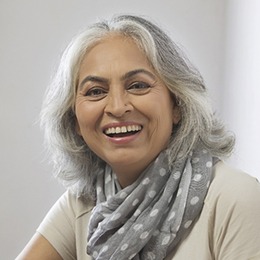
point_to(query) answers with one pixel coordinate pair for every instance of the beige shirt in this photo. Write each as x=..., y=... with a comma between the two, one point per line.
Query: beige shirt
x=228, y=227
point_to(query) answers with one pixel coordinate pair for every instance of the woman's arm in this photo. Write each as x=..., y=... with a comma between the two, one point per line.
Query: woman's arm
x=39, y=248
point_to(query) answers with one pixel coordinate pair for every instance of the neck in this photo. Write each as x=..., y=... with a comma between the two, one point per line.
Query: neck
x=127, y=174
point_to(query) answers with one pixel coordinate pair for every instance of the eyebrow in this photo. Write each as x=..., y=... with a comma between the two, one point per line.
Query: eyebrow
x=137, y=71
x=92, y=79
x=126, y=76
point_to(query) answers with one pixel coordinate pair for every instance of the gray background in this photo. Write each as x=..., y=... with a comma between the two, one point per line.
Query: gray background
x=221, y=38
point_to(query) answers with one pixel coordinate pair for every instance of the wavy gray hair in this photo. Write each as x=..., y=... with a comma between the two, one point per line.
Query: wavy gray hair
x=75, y=164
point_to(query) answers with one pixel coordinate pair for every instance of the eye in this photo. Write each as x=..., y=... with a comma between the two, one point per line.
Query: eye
x=96, y=93
x=139, y=87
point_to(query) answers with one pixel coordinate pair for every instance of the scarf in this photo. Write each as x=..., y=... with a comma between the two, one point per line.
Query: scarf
x=147, y=219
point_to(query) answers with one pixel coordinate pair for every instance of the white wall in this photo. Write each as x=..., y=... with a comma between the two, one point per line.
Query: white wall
x=33, y=34
x=240, y=96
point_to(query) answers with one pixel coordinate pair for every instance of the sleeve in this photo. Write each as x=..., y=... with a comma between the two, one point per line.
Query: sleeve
x=58, y=227
x=236, y=228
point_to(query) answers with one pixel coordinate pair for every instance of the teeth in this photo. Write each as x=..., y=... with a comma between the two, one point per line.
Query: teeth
x=122, y=129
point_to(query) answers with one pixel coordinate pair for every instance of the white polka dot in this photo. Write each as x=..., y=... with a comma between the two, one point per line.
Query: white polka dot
x=152, y=194
x=144, y=235
x=204, y=151
x=108, y=179
x=138, y=227
x=137, y=213
x=106, y=214
x=154, y=212
x=123, y=195
x=194, y=200
x=124, y=247
x=146, y=181
x=116, y=216
x=135, y=202
x=177, y=175
x=99, y=190
x=104, y=249
x=162, y=172
x=172, y=215
x=209, y=164
x=195, y=160
x=121, y=231
x=197, y=177
x=166, y=240
x=95, y=254
x=179, y=192
x=131, y=256
x=187, y=224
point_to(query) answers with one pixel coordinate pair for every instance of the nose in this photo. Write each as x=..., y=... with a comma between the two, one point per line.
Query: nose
x=118, y=104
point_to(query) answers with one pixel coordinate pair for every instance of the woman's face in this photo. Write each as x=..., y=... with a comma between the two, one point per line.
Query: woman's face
x=124, y=112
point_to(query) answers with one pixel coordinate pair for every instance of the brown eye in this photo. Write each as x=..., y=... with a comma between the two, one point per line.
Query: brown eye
x=96, y=93
x=139, y=87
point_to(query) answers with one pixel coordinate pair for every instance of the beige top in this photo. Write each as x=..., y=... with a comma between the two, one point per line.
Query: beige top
x=228, y=227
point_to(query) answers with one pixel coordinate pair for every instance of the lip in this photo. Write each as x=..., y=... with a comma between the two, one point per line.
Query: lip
x=124, y=139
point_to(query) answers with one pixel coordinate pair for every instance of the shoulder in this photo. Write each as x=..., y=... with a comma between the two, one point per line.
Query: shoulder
x=60, y=226
x=67, y=209
x=73, y=205
x=233, y=206
x=233, y=186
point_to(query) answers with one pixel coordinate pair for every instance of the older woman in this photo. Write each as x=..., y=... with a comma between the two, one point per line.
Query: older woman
x=134, y=140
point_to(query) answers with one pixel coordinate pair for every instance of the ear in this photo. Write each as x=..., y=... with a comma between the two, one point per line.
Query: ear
x=176, y=114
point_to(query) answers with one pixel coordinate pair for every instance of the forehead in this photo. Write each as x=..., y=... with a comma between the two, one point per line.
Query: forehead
x=114, y=51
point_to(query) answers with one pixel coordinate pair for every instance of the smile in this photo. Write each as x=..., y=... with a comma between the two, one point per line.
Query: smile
x=122, y=130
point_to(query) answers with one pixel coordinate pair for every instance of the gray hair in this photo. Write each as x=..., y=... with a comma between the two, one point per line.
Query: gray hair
x=75, y=164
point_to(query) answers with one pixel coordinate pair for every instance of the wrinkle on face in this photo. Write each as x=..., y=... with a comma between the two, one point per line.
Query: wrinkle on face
x=152, y=107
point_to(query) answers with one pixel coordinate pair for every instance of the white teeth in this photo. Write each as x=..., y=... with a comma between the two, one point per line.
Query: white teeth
x=122, y=129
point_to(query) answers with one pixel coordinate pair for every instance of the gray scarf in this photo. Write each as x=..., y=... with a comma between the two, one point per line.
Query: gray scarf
x=147, y=219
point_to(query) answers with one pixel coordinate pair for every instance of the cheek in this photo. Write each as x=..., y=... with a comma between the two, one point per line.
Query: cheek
x=83, y=119
x=88, y=116
x=167, y=120
x=162, y=121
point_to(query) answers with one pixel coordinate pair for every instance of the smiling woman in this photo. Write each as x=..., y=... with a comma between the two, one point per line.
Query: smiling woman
x=119, y=89
x=133, y=138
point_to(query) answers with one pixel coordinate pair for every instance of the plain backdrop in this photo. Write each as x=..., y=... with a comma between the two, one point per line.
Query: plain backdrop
x=221, y=38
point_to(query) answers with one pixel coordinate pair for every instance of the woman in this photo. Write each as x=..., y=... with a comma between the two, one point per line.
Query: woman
x=133, y=138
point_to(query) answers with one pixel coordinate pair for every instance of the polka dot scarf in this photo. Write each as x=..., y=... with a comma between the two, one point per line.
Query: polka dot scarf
x=147, y=219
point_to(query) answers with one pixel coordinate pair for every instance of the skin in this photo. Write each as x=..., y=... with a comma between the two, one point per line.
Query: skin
x=39, y=248
x=118, y=87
